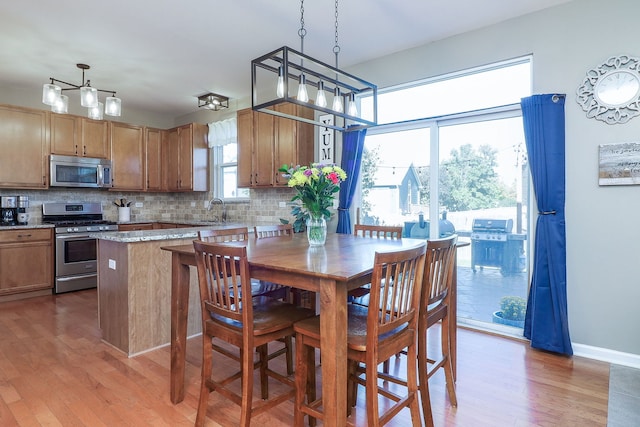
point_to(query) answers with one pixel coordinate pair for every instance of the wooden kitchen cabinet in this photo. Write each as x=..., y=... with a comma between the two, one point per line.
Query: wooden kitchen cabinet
x=95, y=138
x=266, y=142
x=186, y=158
x=153, y=158
x=24, y=160
x=65, y=134
x=245, y=147
x=127, y=157
x=26, y=260
x=136, y=227
x=79, y=136
x=293, y=144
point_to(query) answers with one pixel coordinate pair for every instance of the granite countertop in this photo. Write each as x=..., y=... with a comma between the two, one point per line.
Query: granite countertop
x=160, y=234
x=30, y=225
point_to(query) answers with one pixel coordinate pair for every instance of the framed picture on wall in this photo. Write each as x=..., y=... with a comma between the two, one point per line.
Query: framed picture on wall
x=619, y=164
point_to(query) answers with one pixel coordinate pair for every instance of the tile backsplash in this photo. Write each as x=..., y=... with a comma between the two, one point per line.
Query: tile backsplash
x=263, y=207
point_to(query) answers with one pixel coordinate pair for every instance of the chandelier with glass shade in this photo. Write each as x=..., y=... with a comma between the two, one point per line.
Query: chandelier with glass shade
x=353, y=100
x=52, y=95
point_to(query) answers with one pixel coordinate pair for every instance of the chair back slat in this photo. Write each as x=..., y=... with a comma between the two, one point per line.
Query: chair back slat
x=439, y=269
x=396, y=286
x=224, y=235
x=378, y=231
x=278, y=230
x=223, y=276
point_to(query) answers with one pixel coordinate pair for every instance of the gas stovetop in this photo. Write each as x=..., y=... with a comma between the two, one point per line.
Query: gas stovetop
x=76, y=217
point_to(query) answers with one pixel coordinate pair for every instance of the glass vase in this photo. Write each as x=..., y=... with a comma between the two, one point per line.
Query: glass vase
x=316, y=231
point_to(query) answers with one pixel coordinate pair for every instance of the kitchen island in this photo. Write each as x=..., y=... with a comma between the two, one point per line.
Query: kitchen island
x=134, y=287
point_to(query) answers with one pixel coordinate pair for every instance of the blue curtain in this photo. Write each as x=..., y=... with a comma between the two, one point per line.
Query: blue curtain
x=352, y=149
x=546, y=323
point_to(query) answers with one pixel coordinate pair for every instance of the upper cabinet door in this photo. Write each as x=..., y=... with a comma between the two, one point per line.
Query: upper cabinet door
x=153, y=153
x=65, y=134
x=95, y=138
x=24, y=161
x=127, y=156
x=263, y=149
x=245, y=146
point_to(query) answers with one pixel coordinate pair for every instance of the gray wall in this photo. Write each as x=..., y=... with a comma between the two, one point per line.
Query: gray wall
x=603, y=235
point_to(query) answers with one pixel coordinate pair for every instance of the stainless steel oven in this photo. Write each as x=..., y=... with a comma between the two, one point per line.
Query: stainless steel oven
x=76, y=264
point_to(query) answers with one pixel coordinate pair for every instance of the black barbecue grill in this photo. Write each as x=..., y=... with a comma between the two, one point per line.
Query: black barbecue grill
x=494, y=245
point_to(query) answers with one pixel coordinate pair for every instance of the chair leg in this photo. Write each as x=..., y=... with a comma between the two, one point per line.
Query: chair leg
x=448, y=367
x=423, y=378
x=371, y=386
x=352, y=390
x=247, y=384
x=311, y=380
x=305, y=380
x=288, y=342
x=412, y=385
x=264, y=363
x=207, y=356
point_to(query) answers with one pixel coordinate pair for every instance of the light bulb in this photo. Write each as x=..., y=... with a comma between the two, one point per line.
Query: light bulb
x=61, y=105
x=352, y=109
x=337, y=101
x=280, y=87
x=113, y=106
x=302, y=90
x=50, y=94
x=88, y=97
x=321, y=99
x=97, y=113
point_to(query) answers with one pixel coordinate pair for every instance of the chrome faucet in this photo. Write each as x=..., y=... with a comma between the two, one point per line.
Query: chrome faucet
x=223, y=216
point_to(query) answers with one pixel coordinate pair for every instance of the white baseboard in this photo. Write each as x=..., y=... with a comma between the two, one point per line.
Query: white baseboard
x=606, y=355
x=597, y=353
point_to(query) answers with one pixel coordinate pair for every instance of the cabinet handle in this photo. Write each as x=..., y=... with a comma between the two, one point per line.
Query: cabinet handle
x=76, y=149
x=20, y=236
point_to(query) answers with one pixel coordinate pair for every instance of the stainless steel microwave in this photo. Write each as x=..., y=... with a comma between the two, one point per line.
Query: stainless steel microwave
x=70, y=171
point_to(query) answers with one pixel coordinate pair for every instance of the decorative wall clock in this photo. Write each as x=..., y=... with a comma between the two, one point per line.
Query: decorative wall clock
x=611, y=91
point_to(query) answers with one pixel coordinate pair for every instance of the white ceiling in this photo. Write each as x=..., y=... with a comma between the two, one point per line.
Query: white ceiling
x=159, y=55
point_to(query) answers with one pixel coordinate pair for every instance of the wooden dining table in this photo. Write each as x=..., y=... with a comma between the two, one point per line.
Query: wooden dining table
x=344, y=263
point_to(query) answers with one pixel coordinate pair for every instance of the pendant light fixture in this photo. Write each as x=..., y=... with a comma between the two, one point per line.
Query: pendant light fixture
x=274, y=72
x=52, y=95
x=213, y=101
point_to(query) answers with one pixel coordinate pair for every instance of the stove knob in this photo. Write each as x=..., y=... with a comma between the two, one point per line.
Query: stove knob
x=69, y=230
x=75, y=229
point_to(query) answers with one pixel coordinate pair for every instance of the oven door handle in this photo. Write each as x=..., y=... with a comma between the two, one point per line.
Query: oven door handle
x=78, y=236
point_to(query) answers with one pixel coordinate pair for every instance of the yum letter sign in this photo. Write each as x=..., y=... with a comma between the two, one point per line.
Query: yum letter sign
x=326, y=152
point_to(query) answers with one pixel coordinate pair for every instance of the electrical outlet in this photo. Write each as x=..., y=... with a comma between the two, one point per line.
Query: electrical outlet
x=112, y=264
x=193, y=204
x=139, y=204
x=282, y=204
x=206, y=204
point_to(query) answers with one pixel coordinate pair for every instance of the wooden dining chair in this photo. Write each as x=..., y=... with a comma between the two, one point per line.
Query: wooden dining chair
x=221, y=235
x=435, y=303
x=289, y=294
x=378, y=232
x=434, y=309
x=277, y=230
x=374, y=333
x=239, y=234
x=246, y=322
x=258, y=288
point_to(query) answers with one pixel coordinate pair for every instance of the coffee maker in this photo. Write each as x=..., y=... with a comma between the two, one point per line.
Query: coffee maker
x=22, y=217
x=8, y=210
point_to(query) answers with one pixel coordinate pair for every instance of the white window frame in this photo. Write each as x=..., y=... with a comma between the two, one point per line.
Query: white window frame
x=217, y=175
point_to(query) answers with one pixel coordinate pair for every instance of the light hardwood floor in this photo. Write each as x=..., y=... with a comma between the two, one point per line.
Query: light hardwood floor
x=55, y=371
